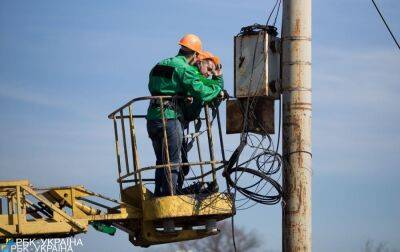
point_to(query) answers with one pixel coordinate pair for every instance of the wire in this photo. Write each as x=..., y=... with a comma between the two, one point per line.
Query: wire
x=277, y=12
x=233, y=233
x=387, y=26
x=272, y=11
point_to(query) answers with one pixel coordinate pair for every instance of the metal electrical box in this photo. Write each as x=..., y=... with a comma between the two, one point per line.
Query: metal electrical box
x=257, y=64
x=260, y=117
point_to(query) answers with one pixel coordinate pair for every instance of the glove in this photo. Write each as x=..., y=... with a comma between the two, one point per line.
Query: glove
x=223, y=95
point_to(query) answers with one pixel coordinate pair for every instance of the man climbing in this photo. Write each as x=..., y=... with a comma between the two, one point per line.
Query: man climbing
x=175, y=76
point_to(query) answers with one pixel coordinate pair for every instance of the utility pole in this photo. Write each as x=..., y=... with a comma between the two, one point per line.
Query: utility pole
x=297, y=106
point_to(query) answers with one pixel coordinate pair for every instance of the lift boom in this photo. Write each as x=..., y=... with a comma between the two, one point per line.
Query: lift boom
x=67, y=211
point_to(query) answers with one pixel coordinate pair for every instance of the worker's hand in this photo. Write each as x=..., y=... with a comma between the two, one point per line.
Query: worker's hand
x=223, y=95
x=218, y=70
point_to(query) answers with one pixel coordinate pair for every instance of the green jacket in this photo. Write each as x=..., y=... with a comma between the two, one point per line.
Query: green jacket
x=174, y=76
x=192, y=111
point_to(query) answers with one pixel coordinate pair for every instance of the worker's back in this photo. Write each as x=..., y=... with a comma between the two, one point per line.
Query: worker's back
x=165, y=77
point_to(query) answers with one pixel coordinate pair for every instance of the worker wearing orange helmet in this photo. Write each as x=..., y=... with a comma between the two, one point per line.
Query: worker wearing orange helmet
x=175, y=76
x=209, y=68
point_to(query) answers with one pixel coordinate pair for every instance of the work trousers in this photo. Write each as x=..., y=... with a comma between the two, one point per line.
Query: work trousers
x=174, y=132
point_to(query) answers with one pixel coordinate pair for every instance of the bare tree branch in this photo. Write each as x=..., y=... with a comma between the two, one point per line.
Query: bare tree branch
x=245, y=241
x=370, y=246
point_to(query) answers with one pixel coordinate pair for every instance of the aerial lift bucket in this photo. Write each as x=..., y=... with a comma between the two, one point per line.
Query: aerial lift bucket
x=193, y=215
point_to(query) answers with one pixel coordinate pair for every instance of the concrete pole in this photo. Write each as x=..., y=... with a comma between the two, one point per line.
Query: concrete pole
x=296, y=88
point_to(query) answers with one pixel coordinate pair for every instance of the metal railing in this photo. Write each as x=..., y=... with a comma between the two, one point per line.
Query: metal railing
x=128, y=161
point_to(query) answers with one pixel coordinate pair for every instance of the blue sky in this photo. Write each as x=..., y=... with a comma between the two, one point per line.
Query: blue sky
x=64, y=65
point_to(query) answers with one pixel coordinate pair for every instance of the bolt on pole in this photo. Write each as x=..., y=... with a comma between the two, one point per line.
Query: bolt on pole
x=296, y=134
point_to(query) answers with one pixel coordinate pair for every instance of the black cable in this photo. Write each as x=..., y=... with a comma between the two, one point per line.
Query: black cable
x=272, y=11
x=233, y=232
x=277, y=12
x=268, y=156
x=387, y=26
x=255, y=196
x=261, y=173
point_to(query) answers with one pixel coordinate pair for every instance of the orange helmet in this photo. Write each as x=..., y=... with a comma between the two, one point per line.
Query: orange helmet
x=192, y=42
x=208, y=55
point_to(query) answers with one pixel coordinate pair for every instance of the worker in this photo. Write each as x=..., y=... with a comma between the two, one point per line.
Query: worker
x=209, y=69
x=175, y=76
